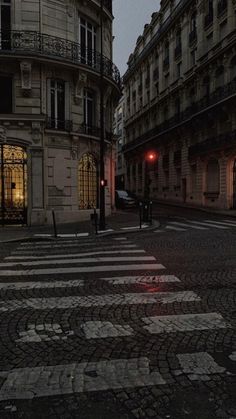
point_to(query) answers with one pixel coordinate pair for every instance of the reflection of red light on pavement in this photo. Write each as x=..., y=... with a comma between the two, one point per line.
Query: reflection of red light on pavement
x=149, y=288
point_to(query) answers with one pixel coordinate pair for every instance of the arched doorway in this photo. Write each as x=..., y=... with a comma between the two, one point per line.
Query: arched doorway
x=13, y=185
x=87, y=182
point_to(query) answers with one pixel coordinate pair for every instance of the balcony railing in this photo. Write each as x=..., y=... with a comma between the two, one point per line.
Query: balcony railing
x=215, y=143
x=70, y=126
x=33, y=43
x=217, y=96
x=192, y=36
x=221, y=7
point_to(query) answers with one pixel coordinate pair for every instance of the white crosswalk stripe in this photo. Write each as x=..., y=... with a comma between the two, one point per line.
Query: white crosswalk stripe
x=183, y=226
x=56, y=380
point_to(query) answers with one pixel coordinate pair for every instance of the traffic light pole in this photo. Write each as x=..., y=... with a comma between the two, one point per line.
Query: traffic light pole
x=102, y=223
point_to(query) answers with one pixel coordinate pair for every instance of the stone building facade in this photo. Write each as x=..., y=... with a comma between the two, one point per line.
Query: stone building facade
x=180, y=97
x=118, y=129
x=51, y=70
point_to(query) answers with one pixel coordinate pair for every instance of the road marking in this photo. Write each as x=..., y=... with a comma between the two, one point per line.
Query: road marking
x=209, y=224
x=45, y=381
x=72, y=255
x=46, y=332
x=59, y=242
x=126, y=280
x=187, y=225
x=99, y=300
x=185, y=323
x=120, y=238
x=63, y=235
x=230, y=221
x=224, y=223
x=198, y=366
x=104, y=329
x=75, y=270
x=77, y=245
x=175, y=228
x=80, y=260
x=40, y=285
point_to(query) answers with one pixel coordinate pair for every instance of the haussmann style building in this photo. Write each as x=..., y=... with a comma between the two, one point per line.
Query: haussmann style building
x=180, y=102
x=55, y=60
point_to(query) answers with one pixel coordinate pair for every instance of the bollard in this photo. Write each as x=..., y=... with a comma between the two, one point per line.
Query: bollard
x=140, y=214
x=54, y=224
x=150, y=210
x=94, y=217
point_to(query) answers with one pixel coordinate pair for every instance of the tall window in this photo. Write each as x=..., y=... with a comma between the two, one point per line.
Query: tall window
x=87, y=182
x=87, y=41
x=6, y=93
x=56, y=105
x=213, y=176
x=193, y=22
x=5, y=24
x=89, y=108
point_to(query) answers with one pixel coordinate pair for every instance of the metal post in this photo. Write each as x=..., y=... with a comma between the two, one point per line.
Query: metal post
x=54, y=224
x=140, y=214
x=102, y=171
x=150, y=209
x=95, y=221
x=2, y=184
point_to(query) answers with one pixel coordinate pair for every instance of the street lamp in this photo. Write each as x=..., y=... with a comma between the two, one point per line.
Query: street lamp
x=102, y=224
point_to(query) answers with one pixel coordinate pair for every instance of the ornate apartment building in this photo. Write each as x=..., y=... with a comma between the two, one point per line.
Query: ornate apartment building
x=118, y=129
x=180, y=101
x=54, y=58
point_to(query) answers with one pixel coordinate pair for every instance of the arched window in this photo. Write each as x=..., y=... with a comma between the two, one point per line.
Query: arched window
x=213, y=176
x=233, y=68
x=219, y=77
x=87, y=182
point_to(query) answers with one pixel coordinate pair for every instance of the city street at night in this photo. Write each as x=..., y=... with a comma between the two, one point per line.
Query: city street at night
x=132, y=325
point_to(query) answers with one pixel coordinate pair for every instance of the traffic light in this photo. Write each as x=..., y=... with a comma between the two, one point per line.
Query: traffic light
x=151, y=156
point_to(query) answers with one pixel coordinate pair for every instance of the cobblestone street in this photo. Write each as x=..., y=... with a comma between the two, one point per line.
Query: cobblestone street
x=137, y=325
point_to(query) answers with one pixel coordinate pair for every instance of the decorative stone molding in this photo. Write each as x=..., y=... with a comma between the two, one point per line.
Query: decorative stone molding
x=3, y=135
x=80, y=83
x=25, y=67
x=36, y=132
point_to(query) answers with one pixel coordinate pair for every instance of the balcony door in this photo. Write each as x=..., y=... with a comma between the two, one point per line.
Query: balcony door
x=5, y=24
x=87, y=41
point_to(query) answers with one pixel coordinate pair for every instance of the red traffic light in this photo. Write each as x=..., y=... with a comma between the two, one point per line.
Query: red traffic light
x=151, y=156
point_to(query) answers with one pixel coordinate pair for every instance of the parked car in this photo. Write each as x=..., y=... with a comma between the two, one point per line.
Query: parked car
x=124, y=200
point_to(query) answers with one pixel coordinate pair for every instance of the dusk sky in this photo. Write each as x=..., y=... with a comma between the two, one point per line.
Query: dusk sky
x=130, y=18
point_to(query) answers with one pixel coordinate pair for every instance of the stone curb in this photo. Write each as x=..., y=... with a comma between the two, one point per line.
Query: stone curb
x=155, y=224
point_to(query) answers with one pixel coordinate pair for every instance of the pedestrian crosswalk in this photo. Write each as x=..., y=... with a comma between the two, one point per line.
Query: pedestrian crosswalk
x=186, y=224
x=116, y=293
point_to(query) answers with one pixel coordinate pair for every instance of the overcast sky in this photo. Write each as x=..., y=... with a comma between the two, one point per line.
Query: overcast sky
x=130, y=18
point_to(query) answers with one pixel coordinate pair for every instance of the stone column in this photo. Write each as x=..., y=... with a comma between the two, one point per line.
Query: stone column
x=37, y=187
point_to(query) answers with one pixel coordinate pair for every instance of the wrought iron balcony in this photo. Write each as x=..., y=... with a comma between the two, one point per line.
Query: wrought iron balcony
x=192, y=36
x=221, y=7
x=213, y=144
x=219, y=95
x=70, y=126
x=33, y=43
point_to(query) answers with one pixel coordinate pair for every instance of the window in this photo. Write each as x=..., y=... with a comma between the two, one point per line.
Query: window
x=219, y=77
x=87, y=40
x=6, y=93
x=193, y=57
x=213, y=176
x=5, y=24
x=89, y=108
x=57, y=104
x=178, y=70
x=193, y=22
x=193, y=177
x=233, y=68
x=177, y=106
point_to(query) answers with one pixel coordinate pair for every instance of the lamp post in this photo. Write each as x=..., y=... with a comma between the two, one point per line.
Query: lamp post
x=102, y=171
x=150, y=158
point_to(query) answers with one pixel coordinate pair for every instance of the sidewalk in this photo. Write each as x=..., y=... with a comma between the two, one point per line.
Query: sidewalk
x=119, y=222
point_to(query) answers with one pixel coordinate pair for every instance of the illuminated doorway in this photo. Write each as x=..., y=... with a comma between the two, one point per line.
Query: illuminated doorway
x=13, y=191
x=87, y=182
